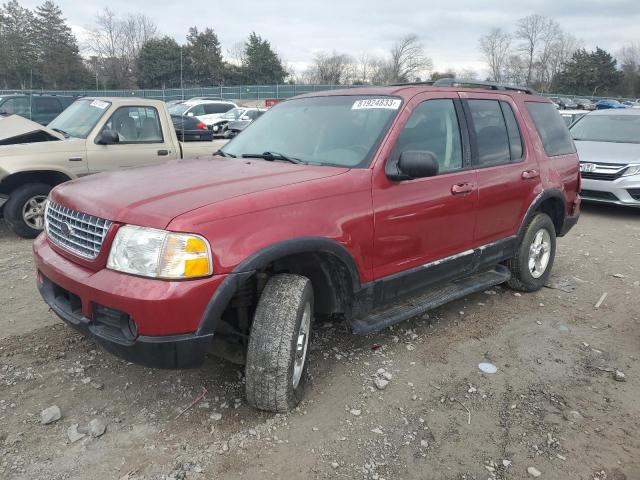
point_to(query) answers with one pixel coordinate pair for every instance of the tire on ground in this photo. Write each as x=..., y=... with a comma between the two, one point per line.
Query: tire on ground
x=521, y=277
x=17, y=200
x=271, y=353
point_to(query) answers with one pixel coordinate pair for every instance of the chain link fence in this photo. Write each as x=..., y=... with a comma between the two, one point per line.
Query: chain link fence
x=238, y=92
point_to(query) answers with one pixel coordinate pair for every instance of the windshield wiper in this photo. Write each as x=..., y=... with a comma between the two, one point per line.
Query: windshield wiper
x=59, y=130
x=271, y=156
x=224, y=154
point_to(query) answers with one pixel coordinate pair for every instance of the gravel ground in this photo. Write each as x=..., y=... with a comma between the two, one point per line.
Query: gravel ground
x=553, y=407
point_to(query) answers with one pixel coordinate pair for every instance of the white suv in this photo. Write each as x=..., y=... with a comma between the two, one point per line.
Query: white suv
x=207, y=111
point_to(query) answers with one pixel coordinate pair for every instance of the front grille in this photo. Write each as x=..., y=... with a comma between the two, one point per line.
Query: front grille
x=634, y=192
x=77, y=232
x=601, y=171
x=596, y=194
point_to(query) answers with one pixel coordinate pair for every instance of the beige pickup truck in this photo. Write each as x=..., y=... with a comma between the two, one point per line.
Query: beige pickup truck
x=92, y=135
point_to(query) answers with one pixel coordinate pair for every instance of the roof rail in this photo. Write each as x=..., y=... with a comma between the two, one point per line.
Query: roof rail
x=458, y=82
x=408, y=84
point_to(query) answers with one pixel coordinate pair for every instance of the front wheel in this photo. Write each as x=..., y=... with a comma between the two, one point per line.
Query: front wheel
x=275, y=371
x=24, y=211
x=531, y=267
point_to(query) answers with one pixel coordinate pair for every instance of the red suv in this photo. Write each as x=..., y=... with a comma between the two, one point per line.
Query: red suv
x=373, y=204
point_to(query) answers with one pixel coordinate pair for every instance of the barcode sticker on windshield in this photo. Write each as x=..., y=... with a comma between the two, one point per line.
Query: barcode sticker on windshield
x=390, y=103
x=99, y=104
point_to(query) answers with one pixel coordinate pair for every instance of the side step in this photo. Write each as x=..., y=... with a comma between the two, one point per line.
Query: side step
x=410, y=307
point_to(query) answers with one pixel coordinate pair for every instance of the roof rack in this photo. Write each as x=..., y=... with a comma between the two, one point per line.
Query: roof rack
x=408, y=84
x=455, y=82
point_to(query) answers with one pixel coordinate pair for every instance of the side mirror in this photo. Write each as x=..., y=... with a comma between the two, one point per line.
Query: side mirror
x=108, y=137
x=245, y=117
x=190, y=114
x=416, y=164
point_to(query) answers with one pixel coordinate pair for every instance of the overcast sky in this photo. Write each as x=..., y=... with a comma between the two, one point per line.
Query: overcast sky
x=298, y=29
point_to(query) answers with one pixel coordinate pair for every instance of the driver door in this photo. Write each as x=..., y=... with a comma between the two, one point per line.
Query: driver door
x=140, y=141
x=424, y=226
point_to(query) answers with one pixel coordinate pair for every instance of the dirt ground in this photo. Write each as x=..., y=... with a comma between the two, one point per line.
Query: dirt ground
x=553, y=404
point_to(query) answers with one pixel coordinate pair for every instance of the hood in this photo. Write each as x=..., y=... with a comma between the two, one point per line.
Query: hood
x=15, y=129
x=608, y=152
x=152, y=196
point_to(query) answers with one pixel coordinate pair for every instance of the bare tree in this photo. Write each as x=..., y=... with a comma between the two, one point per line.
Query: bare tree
x=561, y=52
x=629, y=59
x=530, y=31
x=116, y=43
x=495, y=47
x=331, y=69
x=237, y=53
x=408, y=60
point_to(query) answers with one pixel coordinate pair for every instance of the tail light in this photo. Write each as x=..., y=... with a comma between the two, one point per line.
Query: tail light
x=201, y=126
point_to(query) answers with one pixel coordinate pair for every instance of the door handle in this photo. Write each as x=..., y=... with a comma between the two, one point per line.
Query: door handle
x=461, y=189
x=529, y=174
x=75, y=159
x=163, y=153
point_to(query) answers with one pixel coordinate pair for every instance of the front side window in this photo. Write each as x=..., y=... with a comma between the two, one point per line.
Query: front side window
x=197, y=111
x=16, y=106
x=552, y=130
x=433, y=126
x=490, y=128
x=136, y=125
x=47, y=105
x=340, y=130
x=607, y=128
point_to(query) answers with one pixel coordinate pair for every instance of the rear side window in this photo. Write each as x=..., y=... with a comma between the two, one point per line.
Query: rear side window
x=552, y=129
x=515, y=139
x=491, y=132
x=217, y=107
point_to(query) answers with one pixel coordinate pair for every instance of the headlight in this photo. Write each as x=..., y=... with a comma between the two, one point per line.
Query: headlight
x=631, y=170
x=159, y=254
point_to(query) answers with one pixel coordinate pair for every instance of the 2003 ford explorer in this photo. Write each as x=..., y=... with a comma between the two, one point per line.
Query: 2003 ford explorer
x=337, y=203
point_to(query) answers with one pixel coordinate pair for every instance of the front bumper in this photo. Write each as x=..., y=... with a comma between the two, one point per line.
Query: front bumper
x=168, y=316
x=618, y=192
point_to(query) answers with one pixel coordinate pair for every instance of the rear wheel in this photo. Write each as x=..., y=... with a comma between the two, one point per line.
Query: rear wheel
x=278, y=346
x=531, y=267
x=24, y=211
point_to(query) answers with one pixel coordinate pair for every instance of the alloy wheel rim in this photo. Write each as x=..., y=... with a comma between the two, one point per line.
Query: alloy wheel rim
x=302, y=344
x=539, y=253
x=33, y=212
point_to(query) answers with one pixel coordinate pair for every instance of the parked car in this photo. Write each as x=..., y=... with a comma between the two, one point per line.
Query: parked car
x=585, y=104
x=234, y=127
x=372, y=204
x=631, y=104
x=191, y=129
x=570, y=116
x=92, y=135
x=208, y=111
x=219, y=126
x=38, y=108
x=608, y=143
x=564, y=103
x=605, y=104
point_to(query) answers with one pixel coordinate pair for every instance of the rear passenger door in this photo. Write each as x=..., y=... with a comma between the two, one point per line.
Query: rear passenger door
x=508, y=174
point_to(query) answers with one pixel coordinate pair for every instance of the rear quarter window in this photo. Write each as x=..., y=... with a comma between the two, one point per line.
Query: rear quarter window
x=551, y=128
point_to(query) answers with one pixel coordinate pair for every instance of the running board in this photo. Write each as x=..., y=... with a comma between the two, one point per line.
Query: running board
x=410, y=307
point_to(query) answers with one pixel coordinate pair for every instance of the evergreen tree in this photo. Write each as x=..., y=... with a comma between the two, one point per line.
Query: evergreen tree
x=204, y=57
x=262, y=65
x=590, y=73
x=159, y=63
x=58, y=59
x=18, y=51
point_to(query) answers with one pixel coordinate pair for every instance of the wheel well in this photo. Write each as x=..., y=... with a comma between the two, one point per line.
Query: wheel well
x=49, y=177
x=554, y=207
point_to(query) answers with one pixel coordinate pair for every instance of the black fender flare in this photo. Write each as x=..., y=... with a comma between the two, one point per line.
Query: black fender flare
x=262, y=258
x=542, y=196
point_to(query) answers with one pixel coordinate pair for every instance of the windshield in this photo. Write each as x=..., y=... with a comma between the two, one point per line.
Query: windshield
x=332, y=130
x=80, y=117
x=233, y=114
x=178, y=109
x=608, y=128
